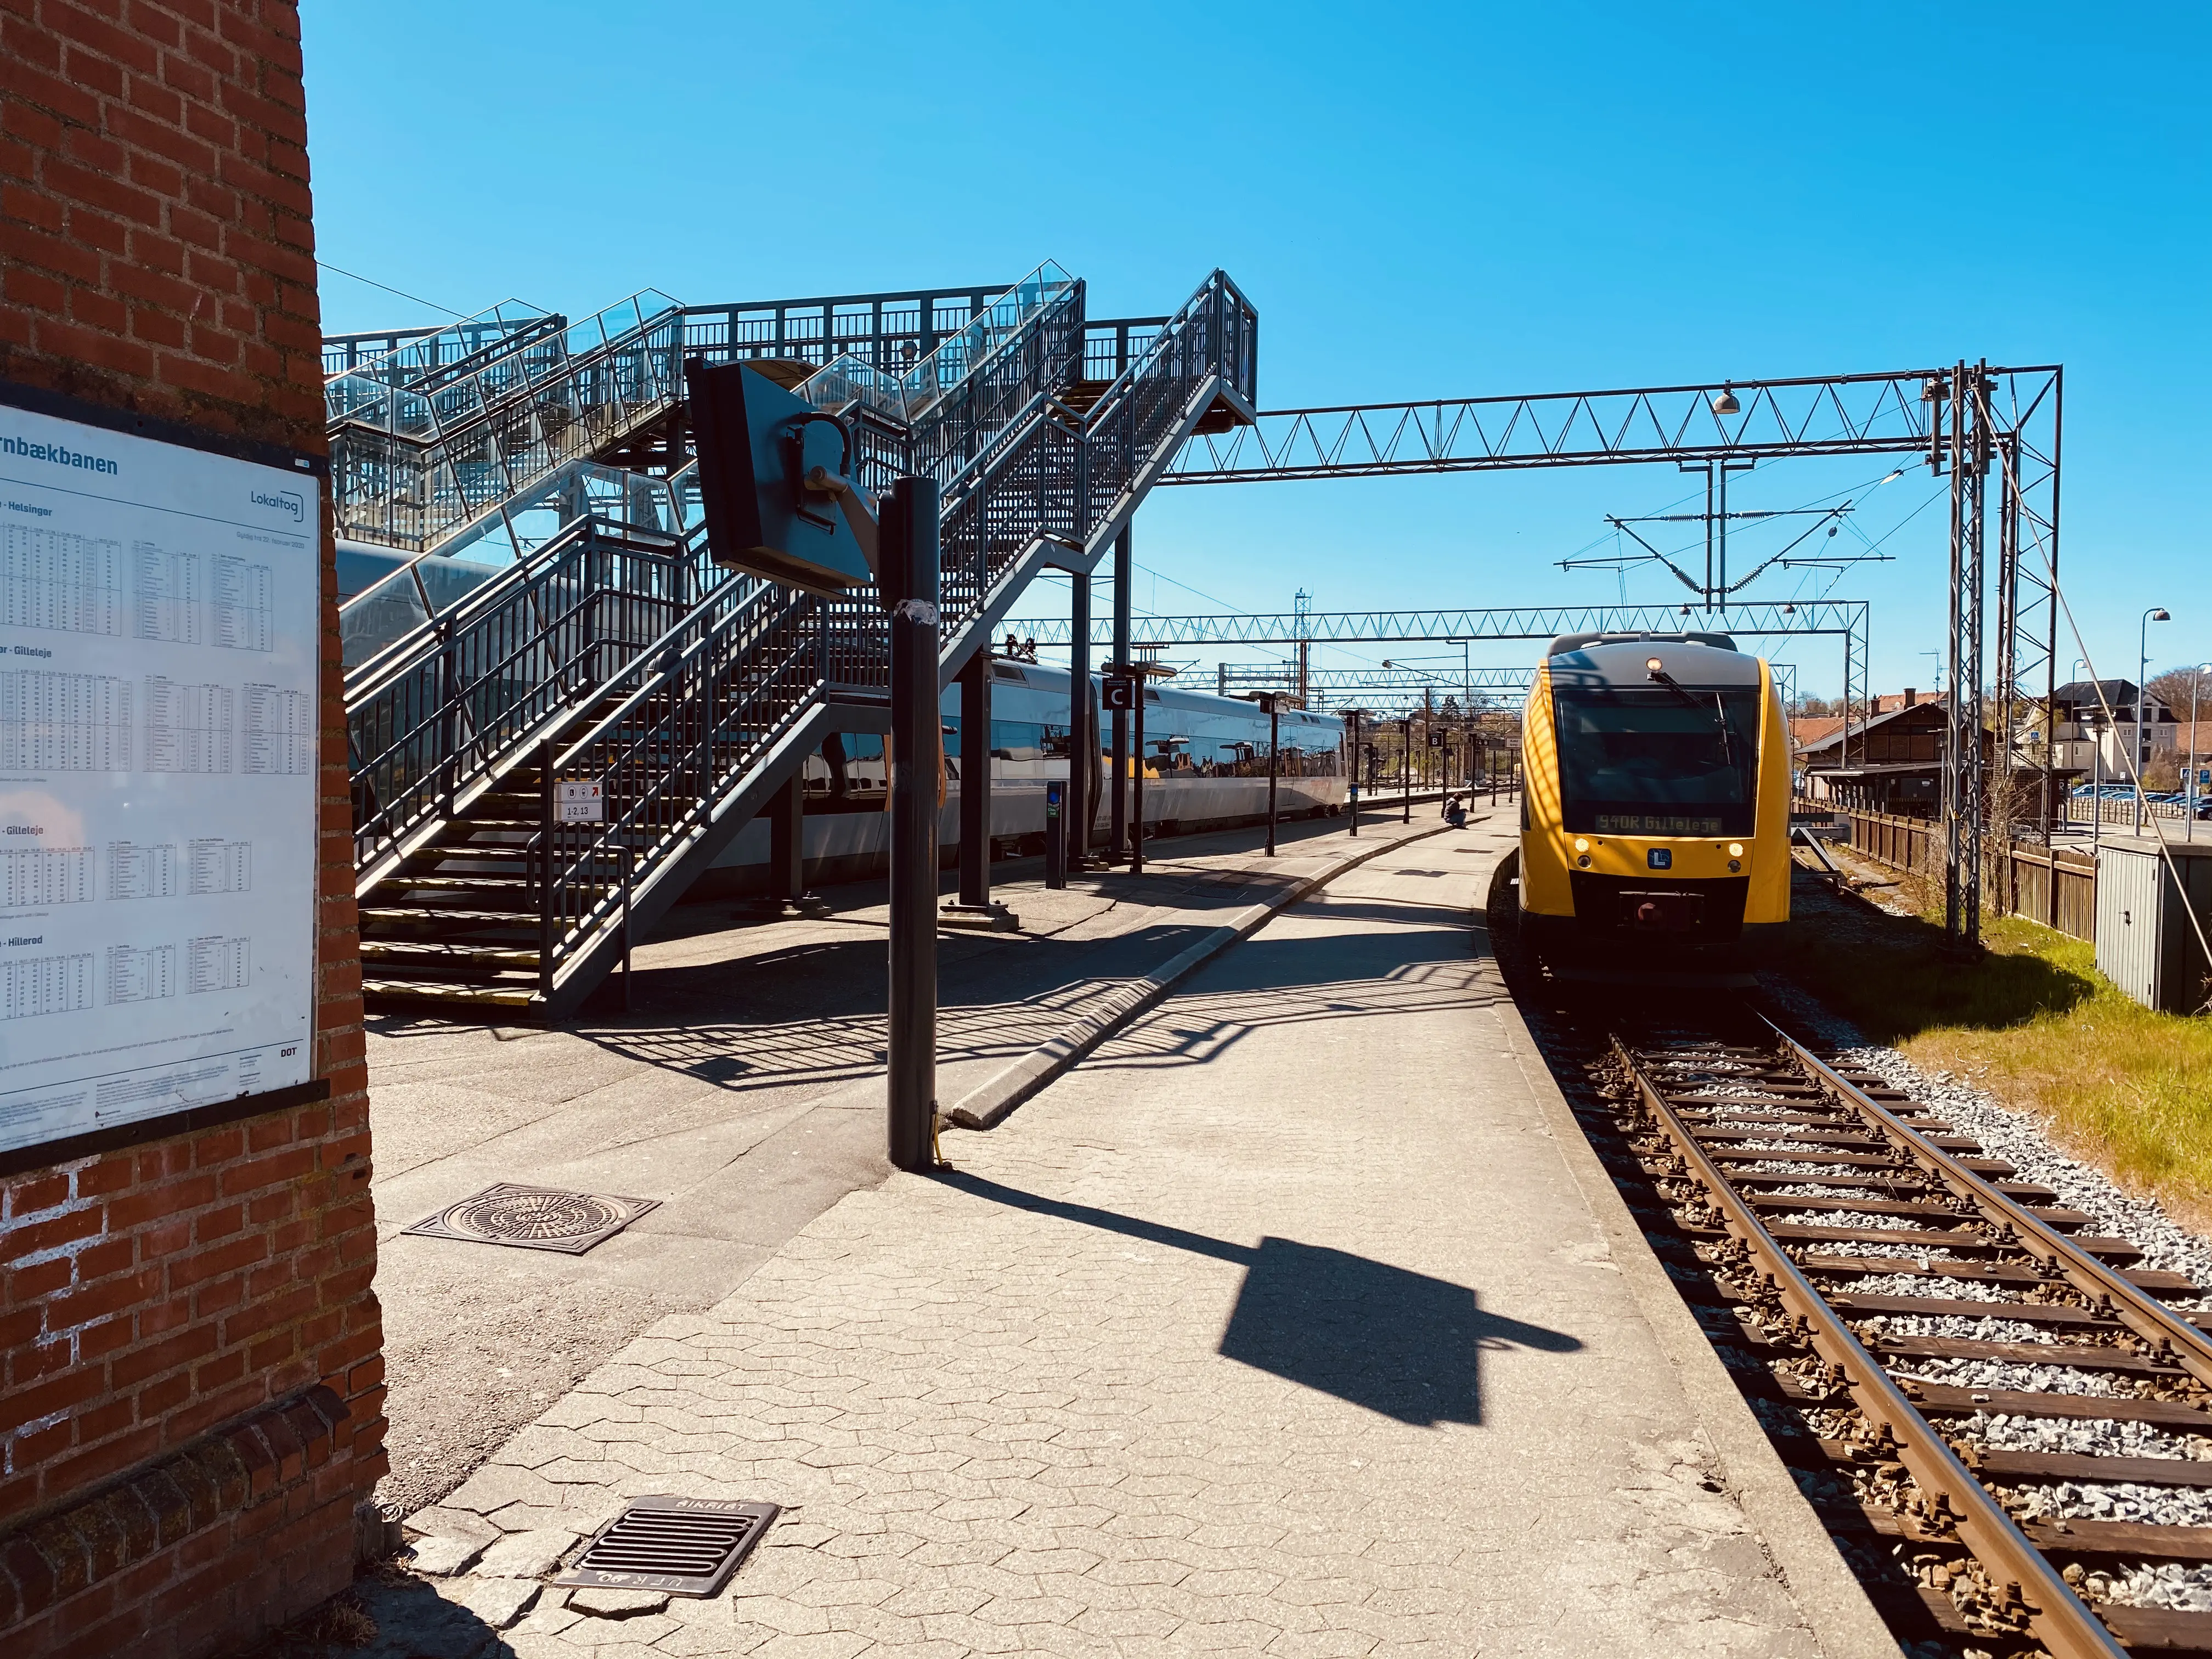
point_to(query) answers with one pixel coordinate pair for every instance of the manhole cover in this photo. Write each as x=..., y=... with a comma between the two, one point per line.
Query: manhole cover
x=684, y=1545
x=534, y=1217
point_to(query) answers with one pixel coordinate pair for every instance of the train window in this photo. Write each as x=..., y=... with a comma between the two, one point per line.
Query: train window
x=1017, y=740
x=1651, y=761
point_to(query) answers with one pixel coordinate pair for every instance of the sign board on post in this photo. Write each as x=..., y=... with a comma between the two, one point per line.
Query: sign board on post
x=579, y=803
x=160, y=716
x=1118, y=691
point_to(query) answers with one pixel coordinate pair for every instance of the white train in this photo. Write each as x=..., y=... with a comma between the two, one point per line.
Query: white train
x=1205, y=766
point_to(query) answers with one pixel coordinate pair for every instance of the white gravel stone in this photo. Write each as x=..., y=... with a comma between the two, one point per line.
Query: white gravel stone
x=1954, y=1325
x=1871, y=1224
x=1815, y=1189
x=1924, y=1255
x=2027, y=1379
x=2087, y=1437
x=2184, y=1586
x=1791, y=1166
x=2074, y=1500
x=2024, y=1142
x=1940, y=1290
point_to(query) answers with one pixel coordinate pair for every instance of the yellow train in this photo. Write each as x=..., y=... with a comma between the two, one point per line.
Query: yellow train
x=1654, y=818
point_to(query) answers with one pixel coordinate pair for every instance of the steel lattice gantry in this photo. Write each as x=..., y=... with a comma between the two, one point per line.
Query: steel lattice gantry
x=1849, y=620
x=1477, y=691
x=1333, y=688
x=1963, y=418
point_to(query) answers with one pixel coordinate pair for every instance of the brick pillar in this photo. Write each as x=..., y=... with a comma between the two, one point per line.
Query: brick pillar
x=190, y=1371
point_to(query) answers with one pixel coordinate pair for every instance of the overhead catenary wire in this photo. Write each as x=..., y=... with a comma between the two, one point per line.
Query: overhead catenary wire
x=415, y=298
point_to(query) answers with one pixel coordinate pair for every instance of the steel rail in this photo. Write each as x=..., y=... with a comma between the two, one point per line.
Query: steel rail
x=2141, y=1312
x=2060, y=1620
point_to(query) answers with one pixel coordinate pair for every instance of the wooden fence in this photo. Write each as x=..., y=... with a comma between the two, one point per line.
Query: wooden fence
x=2058, y=889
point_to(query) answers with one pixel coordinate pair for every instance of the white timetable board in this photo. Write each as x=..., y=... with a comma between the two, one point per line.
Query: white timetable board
x=158, y=716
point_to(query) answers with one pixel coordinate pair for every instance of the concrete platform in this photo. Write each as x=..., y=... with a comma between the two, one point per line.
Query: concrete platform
x=743, y=1091
x=1297, y=1320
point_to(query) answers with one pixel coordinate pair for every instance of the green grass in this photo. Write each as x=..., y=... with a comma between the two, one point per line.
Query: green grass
x=2126, y=1088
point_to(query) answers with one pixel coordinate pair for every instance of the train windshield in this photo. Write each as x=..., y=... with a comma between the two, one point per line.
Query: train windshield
x=1656, y=760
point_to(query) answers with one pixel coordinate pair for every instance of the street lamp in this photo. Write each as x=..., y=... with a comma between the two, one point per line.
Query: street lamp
x=2157, y=613
x=2093, y=719
x=2196, y=683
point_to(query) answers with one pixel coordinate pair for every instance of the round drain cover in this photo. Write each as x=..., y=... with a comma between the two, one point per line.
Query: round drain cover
x=536, y=1215
x=533, y=1217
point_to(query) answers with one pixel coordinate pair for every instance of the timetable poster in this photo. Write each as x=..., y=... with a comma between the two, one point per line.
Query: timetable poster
x=158, y=608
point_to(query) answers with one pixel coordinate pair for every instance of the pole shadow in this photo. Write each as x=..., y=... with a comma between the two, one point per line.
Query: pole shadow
x=1399, y=1343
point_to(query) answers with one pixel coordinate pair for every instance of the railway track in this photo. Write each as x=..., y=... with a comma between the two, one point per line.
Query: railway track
x=2019, y=1413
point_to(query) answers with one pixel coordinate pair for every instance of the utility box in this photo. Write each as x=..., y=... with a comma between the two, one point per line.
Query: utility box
x=2146, y=944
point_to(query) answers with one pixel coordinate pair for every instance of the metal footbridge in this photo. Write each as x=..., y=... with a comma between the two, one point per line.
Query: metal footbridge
x=604, y=644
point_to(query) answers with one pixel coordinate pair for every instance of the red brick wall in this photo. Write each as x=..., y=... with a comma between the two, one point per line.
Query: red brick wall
x=166, y=1308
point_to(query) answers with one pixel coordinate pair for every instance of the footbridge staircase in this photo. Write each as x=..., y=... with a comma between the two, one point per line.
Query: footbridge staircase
x=615, y=652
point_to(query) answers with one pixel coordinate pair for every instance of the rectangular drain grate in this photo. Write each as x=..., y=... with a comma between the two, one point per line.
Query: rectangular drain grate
x=684, y=1545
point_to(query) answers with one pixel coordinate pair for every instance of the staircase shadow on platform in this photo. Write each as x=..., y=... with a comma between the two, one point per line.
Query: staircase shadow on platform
x=1394, y=1341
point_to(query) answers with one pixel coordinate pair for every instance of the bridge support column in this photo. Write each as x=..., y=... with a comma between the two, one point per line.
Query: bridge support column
x=787, y=841
x=1124, y=573
x=975, y=781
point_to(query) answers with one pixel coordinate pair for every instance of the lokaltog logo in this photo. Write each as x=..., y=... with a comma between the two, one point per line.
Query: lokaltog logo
x=287, y=502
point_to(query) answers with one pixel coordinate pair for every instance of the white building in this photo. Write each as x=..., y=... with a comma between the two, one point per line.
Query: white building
x=2084, y=740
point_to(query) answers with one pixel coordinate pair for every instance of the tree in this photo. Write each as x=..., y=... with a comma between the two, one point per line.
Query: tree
x=2173, y=688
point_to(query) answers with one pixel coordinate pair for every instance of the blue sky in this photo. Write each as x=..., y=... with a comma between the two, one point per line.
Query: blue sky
x=1422, y=202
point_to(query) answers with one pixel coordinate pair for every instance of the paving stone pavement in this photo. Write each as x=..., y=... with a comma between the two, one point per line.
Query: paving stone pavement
x=1278, y=1327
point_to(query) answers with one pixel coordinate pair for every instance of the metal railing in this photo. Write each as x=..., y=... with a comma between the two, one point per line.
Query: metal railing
x=684, y=724
x=1025, y=340
x=399, y=355
x=699, y=713
x=621, y=654
x=424, y=444
x=889, y=329
x=397, y=604
x=441, y=712
x=1215, y=335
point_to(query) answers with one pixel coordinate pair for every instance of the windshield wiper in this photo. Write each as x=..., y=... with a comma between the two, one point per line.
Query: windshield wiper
x=1720, y=709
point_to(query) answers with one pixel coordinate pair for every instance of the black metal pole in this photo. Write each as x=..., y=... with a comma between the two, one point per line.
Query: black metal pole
x=1137, y=785
x=1274, y=754
x=976, y=779
x=1117, y=841
x=1082, y=734
x=909, y=539
x=1406, y=763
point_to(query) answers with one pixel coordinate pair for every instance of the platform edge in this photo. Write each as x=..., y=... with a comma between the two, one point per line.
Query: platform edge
x=991, y=1102
x=1843, y=1621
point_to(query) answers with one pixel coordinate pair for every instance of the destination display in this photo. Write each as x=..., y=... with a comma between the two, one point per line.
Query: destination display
x=158, y=641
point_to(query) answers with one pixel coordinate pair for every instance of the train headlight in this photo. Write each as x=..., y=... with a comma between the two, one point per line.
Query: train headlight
x=1735, y=865
x=1581, y=843
x=1735, y=850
